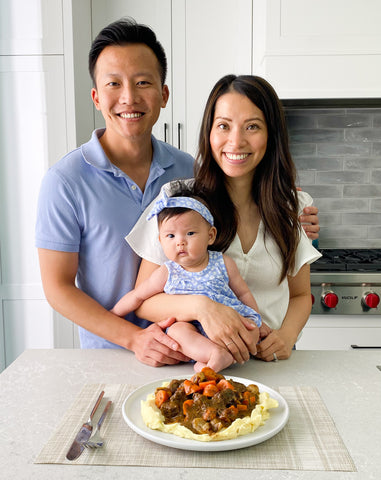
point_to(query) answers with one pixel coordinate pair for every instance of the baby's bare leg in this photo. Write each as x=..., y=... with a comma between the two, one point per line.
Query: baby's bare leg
x=194, y=345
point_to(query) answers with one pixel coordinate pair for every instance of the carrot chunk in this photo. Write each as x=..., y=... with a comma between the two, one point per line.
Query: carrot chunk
x=190, y=387
x=204, y=384
x=161, y=396
x=186, y=406
x=210, y=390
x=223, y=384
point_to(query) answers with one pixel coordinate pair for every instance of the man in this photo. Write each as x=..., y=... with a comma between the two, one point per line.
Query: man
x=91, y=198
x=95, y=194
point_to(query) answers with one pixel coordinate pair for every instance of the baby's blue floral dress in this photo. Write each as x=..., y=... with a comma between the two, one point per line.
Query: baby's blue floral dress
x=212, y=282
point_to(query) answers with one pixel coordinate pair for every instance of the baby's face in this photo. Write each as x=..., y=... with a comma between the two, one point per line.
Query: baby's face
x=185, y=239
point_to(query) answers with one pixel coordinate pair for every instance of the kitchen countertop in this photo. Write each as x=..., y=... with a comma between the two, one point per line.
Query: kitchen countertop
x=39, y=387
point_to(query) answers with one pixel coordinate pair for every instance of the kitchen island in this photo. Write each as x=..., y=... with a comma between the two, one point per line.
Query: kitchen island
x=41, y=385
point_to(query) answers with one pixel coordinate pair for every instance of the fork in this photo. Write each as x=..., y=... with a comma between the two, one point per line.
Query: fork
x=96, y=441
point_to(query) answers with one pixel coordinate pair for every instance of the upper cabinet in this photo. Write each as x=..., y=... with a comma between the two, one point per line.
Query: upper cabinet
x=324, y=49
x=32, y=27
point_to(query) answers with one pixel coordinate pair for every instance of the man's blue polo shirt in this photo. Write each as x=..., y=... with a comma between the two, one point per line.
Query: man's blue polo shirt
x=88, y=205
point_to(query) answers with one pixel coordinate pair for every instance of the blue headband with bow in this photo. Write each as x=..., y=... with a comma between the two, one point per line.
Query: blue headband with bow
x=186, y=202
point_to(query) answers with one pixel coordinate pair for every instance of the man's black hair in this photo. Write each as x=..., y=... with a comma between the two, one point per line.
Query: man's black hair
x=123, y=32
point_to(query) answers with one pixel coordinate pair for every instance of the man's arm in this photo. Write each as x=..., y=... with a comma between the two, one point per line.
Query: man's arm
x=58, y=272
x=310, y=222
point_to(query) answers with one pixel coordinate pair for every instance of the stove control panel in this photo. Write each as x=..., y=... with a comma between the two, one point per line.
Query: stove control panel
x=346, y=298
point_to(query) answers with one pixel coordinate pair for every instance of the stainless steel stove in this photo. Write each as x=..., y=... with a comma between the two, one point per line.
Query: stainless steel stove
x=346, y=281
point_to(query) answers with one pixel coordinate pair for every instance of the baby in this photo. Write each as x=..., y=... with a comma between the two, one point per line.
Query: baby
x=186, y=230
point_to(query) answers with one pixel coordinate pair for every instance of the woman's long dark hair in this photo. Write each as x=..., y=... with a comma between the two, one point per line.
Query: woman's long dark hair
x=273, y=188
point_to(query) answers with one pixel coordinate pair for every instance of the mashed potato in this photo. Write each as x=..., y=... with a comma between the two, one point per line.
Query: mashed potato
x=154, y=419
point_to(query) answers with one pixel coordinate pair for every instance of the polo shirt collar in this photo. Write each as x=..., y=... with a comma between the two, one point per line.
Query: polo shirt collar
x=94, y=155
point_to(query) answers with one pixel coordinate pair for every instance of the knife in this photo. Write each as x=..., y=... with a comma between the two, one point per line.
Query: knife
x=84, y=433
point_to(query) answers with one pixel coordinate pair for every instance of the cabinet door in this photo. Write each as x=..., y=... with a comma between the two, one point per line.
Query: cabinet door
x=210, y=39
x=322, y=49
x=33, y=135
x=157, y=15
x=31, y=27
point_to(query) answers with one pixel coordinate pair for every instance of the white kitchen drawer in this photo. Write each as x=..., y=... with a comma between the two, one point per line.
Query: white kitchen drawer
x=338, y=338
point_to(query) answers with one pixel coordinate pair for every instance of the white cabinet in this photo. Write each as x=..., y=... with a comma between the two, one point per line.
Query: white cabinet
x=33, y=135
x=31, y=27
x=339, y=332
x=324, y=49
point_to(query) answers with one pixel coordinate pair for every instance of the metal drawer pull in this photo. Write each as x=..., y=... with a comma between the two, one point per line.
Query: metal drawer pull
x=364, y=346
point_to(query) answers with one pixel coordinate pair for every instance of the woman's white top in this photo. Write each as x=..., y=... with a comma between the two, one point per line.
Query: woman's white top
x=260, y=267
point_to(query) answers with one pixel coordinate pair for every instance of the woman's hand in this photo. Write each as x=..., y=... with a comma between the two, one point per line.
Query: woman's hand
x=153, y=347
x=224, y=326
x=275, y=343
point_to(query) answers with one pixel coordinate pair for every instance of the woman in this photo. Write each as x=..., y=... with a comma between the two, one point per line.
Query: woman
x=245, y=164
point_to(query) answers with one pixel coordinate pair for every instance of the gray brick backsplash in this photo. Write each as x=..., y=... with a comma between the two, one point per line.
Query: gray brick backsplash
x=377, y=120
x=337, y=153
x=323, y=191
x=327, y=178
x=376, y=177
x=362, y=163
x=377, y=149
x=362, y=191
x=318, y=164
x=342, y=205
x=363, y=135
x=375, y=232
x=305, y=177
x=340, y=231
x=344, y=149
x=328, y=219
x=375, y=205
x=316, y=135
x=350, y=120
x=361, y=218
x=299, y=149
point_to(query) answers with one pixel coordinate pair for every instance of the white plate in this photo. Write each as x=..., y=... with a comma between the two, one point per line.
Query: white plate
x=132, y=416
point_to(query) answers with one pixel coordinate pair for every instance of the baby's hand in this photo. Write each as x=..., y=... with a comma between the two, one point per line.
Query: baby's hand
x=264, y=330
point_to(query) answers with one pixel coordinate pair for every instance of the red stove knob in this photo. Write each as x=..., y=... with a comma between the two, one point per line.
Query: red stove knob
x=371, y=300
x=330, y=300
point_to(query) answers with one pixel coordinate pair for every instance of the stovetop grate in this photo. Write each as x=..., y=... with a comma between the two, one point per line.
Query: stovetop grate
x=348, y=260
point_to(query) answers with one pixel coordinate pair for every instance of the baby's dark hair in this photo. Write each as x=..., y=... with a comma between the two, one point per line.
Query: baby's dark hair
x=180, y=190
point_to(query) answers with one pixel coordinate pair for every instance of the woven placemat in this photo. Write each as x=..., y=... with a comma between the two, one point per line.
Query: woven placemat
x=309, y=441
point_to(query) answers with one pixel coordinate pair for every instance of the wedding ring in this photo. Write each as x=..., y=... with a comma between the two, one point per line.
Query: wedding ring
x=275, y=357
x=227, y=344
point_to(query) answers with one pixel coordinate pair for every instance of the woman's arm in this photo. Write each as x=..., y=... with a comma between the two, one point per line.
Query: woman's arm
x=238, y=284
x=282, y=341
x=222, y=324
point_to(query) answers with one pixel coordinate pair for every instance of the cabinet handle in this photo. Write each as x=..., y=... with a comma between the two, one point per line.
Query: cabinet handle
x=365, y=346
x=165, y=131
x=179, y=136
